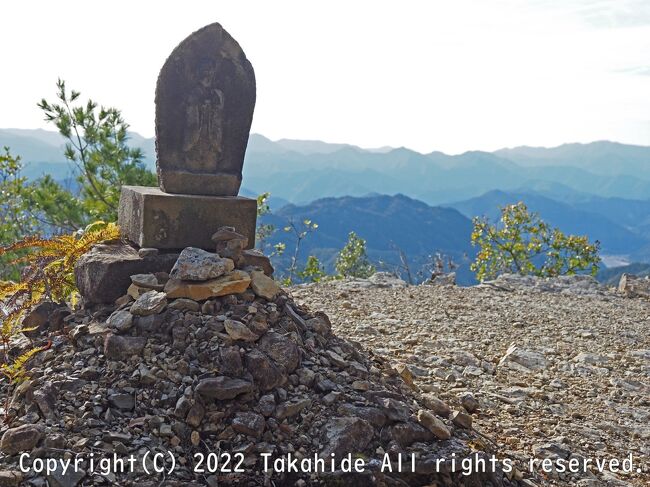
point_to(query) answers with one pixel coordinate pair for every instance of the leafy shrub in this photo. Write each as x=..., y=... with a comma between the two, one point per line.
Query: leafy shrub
x=352, y=260
x=313, y=270
x=263, y=230
x=522, y=243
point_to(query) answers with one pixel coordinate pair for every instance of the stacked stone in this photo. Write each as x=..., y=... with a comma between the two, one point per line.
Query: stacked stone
x=215, y=357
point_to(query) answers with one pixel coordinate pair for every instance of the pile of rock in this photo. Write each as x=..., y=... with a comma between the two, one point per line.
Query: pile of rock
x=214, y=357
x=576, y=284
x=379, y=280
x=634, y=286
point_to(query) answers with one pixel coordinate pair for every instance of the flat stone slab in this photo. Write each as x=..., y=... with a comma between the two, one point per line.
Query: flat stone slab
x=151, y=218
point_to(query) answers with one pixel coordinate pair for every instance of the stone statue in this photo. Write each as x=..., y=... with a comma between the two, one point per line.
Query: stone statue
x=205, y=98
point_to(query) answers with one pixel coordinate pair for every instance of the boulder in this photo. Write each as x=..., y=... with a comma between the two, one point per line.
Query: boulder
x=198, y=265
x=289, y=409
x=406, y=374
x=264, y=286
x=147, y=281
x=634, y=286
x=223, y=388
x=239, y=331
x=266, y=374
x=121, y=401
x=433, y=424
x=469, y=402
x=255, y=258
x=121, y=320
x=320, y=324
x=231, y=361
x=394, y=409
x=249, y=423
x=371, y=414
x=122, y=347
x=104, y=273
x=229, y=243
x=523, y=360
x=436, y=405
x=45, y=315
x=345, y=435
x=149, y=303
x=405, y=434
x=22, y=438
x=184, y=304
x=195, y=415
x=266, y=405
x=281, y=349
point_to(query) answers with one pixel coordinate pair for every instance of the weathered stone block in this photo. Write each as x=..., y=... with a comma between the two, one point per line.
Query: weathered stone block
x=152, y=218
x=104, y=273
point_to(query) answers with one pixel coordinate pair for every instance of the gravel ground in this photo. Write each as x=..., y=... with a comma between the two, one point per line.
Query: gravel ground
x=556, y=375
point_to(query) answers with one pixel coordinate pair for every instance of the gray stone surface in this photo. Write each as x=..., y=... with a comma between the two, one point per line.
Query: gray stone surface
x=576, y=284
x=149, y=303
x=198, y=265
x=104, y=274
x=634, y=286
x=151, y=218
x=22, y=438
x=205, y=98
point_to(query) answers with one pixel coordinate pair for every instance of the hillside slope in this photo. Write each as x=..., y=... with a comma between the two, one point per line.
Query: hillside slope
x=386, y=222
x=575, y=219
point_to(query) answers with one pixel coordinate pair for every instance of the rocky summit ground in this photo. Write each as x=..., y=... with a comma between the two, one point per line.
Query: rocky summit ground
x=554, y=369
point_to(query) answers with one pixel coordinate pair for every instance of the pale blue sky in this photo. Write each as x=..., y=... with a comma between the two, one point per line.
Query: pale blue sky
x=437, y=75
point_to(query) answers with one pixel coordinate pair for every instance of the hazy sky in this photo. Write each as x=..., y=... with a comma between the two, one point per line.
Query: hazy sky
x=449, y=75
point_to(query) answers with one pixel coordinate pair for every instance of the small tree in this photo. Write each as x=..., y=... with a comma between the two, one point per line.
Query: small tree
x=14, y=206
x=17, y=220
x=313, y=270
x=300, y=232
x=97, y=145
x=352, y=260
x=263, y=230
x=522, y=243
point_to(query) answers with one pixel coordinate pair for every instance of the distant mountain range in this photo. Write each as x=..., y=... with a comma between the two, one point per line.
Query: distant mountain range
x=303, y=171
x=619, y=235
x=601, y=189
x=389, y=224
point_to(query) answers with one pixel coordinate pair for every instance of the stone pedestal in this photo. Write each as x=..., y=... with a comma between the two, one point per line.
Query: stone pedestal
x=151, y=218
